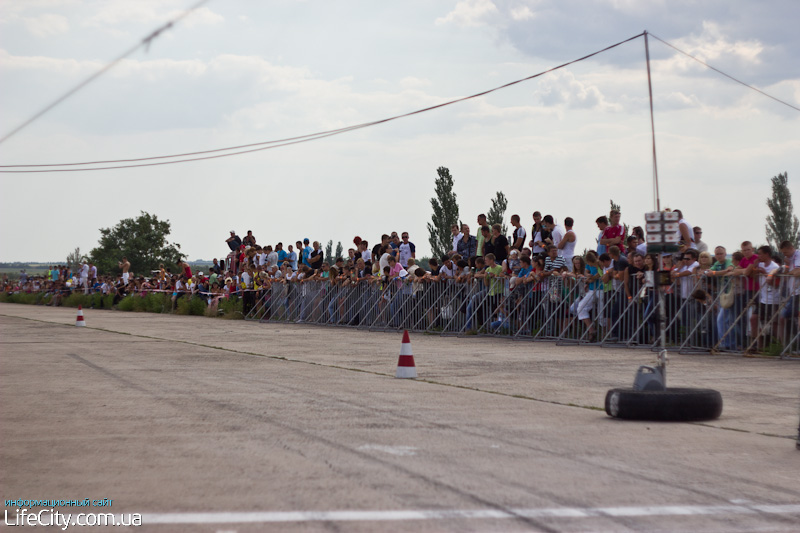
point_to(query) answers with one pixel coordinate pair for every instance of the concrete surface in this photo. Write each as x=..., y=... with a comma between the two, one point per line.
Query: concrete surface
x=170, y=415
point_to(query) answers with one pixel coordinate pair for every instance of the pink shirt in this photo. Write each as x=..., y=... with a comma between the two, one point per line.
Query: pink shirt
x=752, y=283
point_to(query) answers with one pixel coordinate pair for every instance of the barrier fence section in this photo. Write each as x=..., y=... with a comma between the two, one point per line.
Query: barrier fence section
x=704, y=314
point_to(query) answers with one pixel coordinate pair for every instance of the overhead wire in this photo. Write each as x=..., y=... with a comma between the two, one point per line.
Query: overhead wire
x=145, y=42
x=723, y=73
x=267, y=145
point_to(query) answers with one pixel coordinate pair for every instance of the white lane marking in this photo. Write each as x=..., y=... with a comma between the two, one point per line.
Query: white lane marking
x=384, y=516
x=393, y=450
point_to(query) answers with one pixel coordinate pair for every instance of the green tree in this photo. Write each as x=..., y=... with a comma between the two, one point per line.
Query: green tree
x=329, y=250
x=339, y=250
x=445, y=214
x=782, y=224
x=497, y=212
x=74, y=260
x=143, y=240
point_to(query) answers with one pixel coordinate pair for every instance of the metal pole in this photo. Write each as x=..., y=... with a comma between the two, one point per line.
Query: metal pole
x=662, y=354
x=656, y=195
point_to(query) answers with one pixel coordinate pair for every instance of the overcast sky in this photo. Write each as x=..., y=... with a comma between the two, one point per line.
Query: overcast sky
x=238, y=72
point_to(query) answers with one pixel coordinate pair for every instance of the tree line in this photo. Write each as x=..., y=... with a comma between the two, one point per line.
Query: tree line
x=144, y=240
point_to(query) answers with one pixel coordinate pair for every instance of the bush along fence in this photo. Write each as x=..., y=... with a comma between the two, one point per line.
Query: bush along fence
x=145, y=301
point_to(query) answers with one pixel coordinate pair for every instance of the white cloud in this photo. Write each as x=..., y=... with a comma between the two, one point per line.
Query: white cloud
x=713, y=46
x=46, y=25
x=563, y=88
x=522, y=13
x=469, y=13
x=410, y=82
x=123, y=13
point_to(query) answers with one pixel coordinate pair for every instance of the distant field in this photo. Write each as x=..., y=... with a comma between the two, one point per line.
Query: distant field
x=14, y=272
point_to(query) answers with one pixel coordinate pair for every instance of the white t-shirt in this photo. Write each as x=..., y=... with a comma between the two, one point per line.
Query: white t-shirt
x=85, y=271
x=383, y=262
x=691, y=244
x=768, y=294
x=405, y=252
x=792, y=263
x=557, y=234
x=366, y=255
x=449, y=272
x=519, y=232
x=456, y=239
x=537, y=237
x=687, y=282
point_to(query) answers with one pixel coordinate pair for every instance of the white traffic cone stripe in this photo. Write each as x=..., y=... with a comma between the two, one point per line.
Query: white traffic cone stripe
x=80, y=321
x=406, y=372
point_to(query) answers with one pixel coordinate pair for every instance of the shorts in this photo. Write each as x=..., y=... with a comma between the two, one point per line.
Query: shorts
x=792, y=307
x=765, y=311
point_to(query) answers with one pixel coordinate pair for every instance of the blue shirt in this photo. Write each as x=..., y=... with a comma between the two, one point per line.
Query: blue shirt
x=593, y=285
x=292, y=258
x=281, y=257
x=306, y=253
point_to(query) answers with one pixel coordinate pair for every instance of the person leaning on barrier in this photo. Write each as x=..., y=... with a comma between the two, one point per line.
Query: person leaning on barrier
x=582, y=308
x=769, y=295
x=522, y=274
x=634, y=275
x=791, y=262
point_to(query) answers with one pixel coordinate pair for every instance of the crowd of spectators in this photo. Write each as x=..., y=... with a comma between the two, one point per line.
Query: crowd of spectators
x=542, y=259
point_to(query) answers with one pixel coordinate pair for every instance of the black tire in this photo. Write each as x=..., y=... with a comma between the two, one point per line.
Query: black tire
x=676, y=405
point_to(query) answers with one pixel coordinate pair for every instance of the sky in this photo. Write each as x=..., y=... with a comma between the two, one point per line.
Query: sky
x=239, y=72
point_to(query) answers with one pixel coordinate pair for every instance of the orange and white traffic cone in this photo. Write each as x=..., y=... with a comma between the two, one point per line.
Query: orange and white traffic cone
x=80, y=321
x=405, y=366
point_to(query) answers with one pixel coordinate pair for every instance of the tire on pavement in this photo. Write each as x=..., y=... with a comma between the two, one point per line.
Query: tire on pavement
x=672, y=404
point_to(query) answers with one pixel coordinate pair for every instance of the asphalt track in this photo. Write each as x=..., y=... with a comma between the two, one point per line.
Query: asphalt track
x=215, y=425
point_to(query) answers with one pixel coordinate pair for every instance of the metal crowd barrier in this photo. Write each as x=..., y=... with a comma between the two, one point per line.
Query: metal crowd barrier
x=550, y=309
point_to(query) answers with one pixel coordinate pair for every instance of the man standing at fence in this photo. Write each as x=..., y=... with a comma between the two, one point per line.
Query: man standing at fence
x=519, y=233
x=480, y=238
x=556, y=232
x=554, y=265
x=92, y=274
x=316, y=257
x=468, y=245
x=407, y=250
x=125, y=266
x=454, y=230
x=85, y=277
x=281, y=254
x=769, y=296
x=306, y=252
x=494, y=280
x=602, y=224
x=613, y=235
x=791, y=262
x=567, y=245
